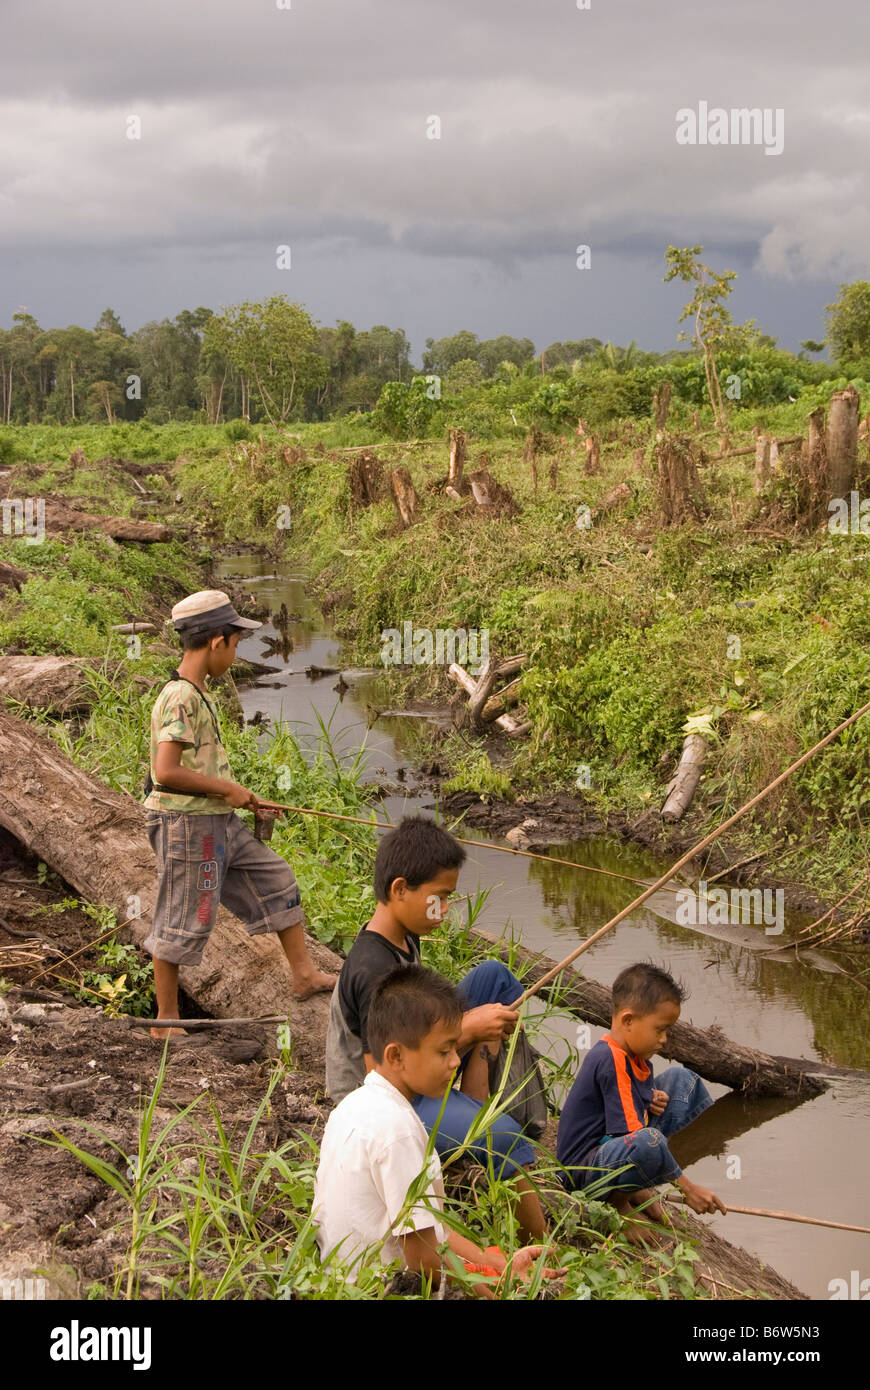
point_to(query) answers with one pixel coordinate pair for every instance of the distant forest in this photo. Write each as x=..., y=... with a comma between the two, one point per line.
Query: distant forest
x=269, y=361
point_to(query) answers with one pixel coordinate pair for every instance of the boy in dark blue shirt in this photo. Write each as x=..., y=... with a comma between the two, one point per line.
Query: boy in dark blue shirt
x=618, y=1114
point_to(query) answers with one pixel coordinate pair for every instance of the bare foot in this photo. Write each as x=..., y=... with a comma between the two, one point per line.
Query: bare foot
x=161, y=1034
x=318, y=982
x=652, y=1208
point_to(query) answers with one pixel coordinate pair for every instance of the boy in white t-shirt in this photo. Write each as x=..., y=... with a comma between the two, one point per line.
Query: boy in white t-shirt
x=370, y=1192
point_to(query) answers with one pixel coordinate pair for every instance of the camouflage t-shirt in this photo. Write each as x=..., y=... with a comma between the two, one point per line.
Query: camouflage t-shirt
x=180, y=715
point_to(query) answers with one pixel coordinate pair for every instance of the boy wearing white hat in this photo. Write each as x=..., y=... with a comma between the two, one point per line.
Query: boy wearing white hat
x=205, y=854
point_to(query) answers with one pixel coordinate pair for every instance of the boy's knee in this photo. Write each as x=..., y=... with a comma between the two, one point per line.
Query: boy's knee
x=491, y=979
x=650, y=1153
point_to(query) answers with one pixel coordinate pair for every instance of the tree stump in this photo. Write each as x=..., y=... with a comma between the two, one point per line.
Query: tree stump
x=458, y=449
x=661, y=404
x=366, y=479
x=680, y=493
x=842, y=441
x=531, y=448
x=623, y=492
x=492, y=496
x=593, y=455
x=406, y=500
x=762, y=462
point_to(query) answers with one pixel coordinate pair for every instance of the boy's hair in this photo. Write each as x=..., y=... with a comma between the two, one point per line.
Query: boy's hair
x=642, y=987
x=417, y=850
x=197, y=639
x=406, y=1005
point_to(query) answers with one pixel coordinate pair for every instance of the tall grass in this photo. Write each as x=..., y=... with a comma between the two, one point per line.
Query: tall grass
x=217, y=1216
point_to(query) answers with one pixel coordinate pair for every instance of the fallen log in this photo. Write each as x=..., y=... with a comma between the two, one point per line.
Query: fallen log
x=682, y=785
x=61, y=518
x=514, y=728
x=738, y=453
x=94, y=837
x=11, y=577
x=54, y=683
x=706, y=1051
x=497, y=704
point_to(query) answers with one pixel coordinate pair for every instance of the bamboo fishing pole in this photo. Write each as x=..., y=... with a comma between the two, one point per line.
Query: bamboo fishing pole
x=478, y=844
x=786, y=1216
x=684, y=859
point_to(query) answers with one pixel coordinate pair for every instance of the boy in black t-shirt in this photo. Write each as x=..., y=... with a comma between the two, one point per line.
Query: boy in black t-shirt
x=416, y=871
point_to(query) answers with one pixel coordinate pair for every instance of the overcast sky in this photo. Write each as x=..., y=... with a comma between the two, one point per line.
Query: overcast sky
x=308, y=127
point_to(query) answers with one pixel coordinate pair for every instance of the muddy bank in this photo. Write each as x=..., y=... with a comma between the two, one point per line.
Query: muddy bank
x=561, y=818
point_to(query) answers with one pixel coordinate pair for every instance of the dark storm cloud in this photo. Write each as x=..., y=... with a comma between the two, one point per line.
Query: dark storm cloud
x=308, y=126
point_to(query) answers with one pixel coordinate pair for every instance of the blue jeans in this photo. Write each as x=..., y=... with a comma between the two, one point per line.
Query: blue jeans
x=646, y=1150
x=504, y=1141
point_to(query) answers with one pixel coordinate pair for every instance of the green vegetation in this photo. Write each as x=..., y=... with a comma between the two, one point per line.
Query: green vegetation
x=217, y=1217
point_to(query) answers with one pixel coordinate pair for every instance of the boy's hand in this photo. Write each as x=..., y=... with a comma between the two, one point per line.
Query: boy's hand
x=522, y=1264
x=262, y=805
x=239, y=797
x=658, y=1104
x=700, y=1199
x=489, y=1023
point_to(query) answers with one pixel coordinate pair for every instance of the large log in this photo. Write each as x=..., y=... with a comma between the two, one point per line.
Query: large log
x=706, y=1051
x=54, y=683
x=61, y=518
x=95, y=839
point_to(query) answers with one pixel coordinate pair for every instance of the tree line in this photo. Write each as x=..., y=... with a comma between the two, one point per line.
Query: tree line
x=270, y=361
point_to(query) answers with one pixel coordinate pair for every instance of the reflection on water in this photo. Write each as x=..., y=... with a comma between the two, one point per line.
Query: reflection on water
x=808, y=1158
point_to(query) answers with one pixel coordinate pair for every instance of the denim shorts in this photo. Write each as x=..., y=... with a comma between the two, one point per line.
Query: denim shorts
x=205, y=861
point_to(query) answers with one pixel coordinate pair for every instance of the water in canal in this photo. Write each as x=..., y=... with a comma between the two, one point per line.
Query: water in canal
x=809, y=1158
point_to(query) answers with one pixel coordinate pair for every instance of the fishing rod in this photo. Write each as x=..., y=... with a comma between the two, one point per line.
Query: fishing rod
x=690, y=854
x=659, y=883
x=784, y=1216
x=478, y=844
